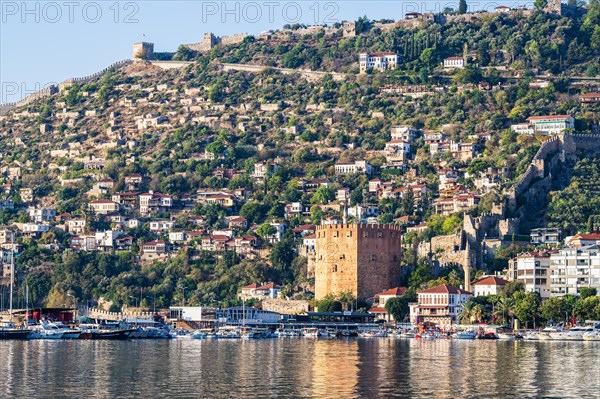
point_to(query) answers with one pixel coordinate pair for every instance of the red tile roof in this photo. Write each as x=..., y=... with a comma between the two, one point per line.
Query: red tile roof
x=591, y=236
x=444, y=289
x=398, y=291
x=533, y=118
x=491, y=280
x=251, y=286
x=155, y=242
x=268, y=286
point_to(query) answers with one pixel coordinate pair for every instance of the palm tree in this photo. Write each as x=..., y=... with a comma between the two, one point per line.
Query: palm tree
x=505, y=307
x=471, y=312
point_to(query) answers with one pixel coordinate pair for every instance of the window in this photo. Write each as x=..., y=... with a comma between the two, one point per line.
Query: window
x=335, y=268
x=373, y=257
x=349, y=234
x=342, y=257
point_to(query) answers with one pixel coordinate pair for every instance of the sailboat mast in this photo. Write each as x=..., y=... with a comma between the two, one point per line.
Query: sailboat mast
x=27, y=305
x=12, y=278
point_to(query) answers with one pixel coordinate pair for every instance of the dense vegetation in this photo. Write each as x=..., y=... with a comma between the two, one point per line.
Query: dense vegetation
x=577, y=207
x=305, y=143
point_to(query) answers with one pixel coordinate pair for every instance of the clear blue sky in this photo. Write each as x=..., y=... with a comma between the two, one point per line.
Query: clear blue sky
x=44, y=42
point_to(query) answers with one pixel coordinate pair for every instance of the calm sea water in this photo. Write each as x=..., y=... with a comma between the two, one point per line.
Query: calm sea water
x=299, y=368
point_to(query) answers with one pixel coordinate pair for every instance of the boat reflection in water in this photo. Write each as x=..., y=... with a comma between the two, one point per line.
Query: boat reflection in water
x=300, y=368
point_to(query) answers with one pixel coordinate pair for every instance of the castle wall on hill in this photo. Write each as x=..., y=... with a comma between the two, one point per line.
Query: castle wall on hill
x=587, y=143
x=360, y=258
x=52, y=89
x=536, y=169
x=210, y=40
x=529, y=196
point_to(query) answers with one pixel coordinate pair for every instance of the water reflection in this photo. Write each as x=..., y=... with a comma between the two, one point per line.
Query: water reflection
x=300, y=368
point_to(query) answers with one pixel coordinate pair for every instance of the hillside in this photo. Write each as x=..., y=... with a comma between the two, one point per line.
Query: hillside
x=227, y=155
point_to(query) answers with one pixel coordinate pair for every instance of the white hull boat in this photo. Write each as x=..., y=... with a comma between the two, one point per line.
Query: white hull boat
x=464, y=335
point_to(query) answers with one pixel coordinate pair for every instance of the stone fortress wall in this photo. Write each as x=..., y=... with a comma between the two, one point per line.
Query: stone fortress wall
x=53, y=89
x=360, y=258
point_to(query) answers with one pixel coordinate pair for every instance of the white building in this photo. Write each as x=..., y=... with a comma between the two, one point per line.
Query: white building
x=363, y=213
x=105, y=240
x=41, y=215
x=278, y=235
x=545, y=125
x=379, y=61
x=573, y=269
x=523, y=128
x=346, y=168
x=440, y=305
x=75, y=226
x=263, y=170
x=490, y=285
x=454, y=62
x=533, y=270
x=403, y=132
x=34, y=228
x=161, y=225
x=552, y=124
x=152, y=202
x=397, y=150
x=545, y=236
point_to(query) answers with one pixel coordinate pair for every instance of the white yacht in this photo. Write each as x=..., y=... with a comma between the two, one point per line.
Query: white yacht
x=574, y=333
x=47, y=330
x=464, y=335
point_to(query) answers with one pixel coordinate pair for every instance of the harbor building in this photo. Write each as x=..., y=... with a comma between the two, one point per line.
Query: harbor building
x=439, y=305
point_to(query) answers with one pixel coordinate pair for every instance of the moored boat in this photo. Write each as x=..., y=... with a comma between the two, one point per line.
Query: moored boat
x=8, y=331
x=573, y=334
x=506, y=336
x=464, y=335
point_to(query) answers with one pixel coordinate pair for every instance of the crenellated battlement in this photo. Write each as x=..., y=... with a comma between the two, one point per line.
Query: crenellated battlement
x=361, y=226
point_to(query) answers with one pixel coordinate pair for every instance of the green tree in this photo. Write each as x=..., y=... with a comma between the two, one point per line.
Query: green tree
x=585, y=309
x=329, y=305
x=398, y=307
x=346, y=298
x=586, y=292
x=322, y=196
x=527, y=306
x=554, y=309
x=462, y=7
x=471, y=312
x=505, y=308
x=265, y=230
x=511, y=288
x=408, y=203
